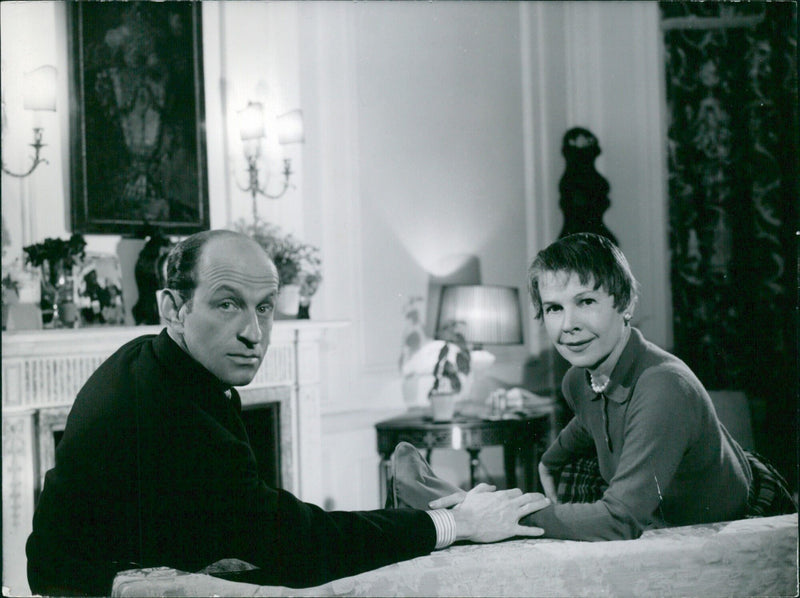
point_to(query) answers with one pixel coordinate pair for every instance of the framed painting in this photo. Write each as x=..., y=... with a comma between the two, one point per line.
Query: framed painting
x=137, y=117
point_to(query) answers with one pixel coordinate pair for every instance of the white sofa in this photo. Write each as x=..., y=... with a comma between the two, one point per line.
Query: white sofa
x=750, y=557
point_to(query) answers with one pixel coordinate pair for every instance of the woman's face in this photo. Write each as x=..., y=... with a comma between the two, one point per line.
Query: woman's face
x=580, y=320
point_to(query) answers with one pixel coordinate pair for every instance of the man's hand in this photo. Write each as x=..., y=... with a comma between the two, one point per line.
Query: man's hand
x=547, y=478
x=482, y=515
x=455, y=499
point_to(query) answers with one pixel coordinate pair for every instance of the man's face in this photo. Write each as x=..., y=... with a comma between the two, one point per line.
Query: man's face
x=581, y=322
x=226, y=325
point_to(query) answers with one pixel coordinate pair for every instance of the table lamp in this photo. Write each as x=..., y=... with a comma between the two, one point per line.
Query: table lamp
x=484, y=314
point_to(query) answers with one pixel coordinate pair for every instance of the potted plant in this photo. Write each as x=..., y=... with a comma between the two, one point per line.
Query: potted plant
x=436, y=373
x=57, y=258
x=450, y=373
x=299, y=265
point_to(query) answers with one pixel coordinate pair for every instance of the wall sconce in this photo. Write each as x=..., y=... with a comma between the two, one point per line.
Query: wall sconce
x=39, y=95
x=289, y=129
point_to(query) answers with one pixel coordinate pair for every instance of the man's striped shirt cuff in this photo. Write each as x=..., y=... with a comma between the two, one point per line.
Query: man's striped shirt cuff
x=445, y=526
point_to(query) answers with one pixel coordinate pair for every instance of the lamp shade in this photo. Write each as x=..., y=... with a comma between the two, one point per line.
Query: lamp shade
x=486, y=315
x=251, y=121
x=290, y=127
x=40, y=89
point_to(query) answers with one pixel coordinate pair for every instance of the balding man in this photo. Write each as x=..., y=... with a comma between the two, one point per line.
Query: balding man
x=155, y=467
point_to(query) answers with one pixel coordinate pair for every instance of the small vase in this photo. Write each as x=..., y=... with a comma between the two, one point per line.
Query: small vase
x=443, y=406
x=68, y=313
x=288, y=303
x=304, y=309
x=57, y=290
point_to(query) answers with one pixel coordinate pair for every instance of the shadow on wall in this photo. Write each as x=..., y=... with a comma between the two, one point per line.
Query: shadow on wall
x=454, y=269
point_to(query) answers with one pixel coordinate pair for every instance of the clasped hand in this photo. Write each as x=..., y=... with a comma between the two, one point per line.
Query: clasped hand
x=483, y=515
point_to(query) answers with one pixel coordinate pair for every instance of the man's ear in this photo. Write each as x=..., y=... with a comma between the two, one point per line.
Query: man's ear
x=170, y=306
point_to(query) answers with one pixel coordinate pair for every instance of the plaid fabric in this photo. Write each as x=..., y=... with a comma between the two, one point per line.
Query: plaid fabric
x=769, y=493
x=580, y=481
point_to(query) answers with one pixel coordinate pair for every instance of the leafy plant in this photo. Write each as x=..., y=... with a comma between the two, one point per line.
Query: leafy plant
x=9, y=284
x=297, y=262
x=56, y=252
x=453, y=362
x=413, y=333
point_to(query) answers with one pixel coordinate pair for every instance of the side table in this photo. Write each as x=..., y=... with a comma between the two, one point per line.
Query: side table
x=523, y=437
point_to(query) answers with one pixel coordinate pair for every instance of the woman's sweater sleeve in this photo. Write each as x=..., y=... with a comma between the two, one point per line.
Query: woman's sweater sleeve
x=572, y=442
x=660, y=422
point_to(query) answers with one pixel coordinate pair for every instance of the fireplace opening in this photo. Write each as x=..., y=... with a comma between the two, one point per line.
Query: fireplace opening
x=263, y=426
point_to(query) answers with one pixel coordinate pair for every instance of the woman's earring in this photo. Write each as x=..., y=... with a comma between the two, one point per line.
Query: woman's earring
x=626, y=317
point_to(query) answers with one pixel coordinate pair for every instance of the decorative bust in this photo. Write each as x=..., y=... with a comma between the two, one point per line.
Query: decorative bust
x=150, y=276
x=584, y=191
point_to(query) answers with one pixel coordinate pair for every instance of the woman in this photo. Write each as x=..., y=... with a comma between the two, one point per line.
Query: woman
x=664, y=458
x=662, y=451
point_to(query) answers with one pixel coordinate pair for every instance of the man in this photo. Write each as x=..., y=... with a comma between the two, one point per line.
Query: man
x=155, y=468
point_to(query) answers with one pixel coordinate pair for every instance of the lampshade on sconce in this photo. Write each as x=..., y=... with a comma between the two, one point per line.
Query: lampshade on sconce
x=252, y=128
x=39, y=94
x=290, y=127
x=487, y=315
x=251, y=121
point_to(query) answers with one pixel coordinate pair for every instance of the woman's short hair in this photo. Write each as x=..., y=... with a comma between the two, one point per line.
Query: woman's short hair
x=183, y=258
x=591, y=257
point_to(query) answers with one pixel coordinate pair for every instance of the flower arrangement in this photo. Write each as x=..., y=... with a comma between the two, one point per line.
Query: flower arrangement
x=297, y=262
x=57, y=259
x=56, y=256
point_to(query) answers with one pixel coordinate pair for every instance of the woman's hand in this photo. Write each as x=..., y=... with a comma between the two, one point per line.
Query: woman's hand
x=547, y=478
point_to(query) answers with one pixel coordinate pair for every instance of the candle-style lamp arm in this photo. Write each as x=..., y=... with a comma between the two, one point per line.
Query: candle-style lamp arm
x=37, y=146
x=254, y=187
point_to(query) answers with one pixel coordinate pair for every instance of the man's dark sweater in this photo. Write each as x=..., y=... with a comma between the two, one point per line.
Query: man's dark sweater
x=155, y=469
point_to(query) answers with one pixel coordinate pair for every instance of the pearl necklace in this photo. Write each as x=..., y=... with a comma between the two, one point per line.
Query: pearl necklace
x=598, y=388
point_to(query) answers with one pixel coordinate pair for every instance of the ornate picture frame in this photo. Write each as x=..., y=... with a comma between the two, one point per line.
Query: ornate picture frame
x=137, y=117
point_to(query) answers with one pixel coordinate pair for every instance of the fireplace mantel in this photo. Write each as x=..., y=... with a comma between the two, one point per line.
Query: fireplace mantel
x=42, y=371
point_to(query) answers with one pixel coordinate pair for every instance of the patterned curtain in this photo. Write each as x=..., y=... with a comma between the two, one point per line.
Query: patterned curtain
x=731, y=73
